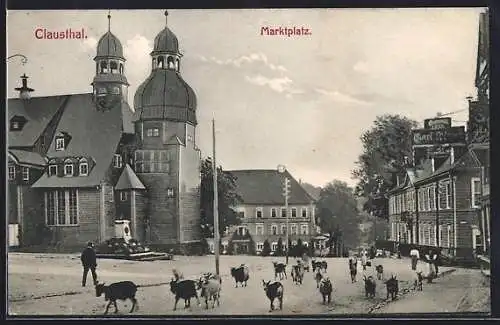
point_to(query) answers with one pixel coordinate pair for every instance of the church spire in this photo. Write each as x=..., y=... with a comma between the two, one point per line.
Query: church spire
x=109, y=20
x=166, y=18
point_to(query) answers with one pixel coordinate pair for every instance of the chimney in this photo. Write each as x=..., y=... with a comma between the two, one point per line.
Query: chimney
x=24, y=91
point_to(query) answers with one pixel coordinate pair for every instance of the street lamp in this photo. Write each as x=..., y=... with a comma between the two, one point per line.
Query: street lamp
x=286, y=193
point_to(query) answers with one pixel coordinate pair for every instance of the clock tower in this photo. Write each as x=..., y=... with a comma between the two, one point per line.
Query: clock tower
x=110, y=84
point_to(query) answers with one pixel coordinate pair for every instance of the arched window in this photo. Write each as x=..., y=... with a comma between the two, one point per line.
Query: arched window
x=113, y=65
x=68, y=167
x=170, y=61
x=177, y=65
x=161, y=62
x=84, y=167
x=121, y=68
x=104, y=67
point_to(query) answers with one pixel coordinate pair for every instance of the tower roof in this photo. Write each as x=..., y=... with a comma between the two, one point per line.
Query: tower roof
x=166, y=41
x=129, y=180
x=109, y=46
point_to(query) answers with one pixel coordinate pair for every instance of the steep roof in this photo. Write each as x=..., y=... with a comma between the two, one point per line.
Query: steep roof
x=28, y=157
x=38, y=111
x=128, y=180
x=92, y=133
x=265, y=186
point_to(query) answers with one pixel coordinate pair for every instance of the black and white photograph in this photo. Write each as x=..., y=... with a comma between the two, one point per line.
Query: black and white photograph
x=248, y=162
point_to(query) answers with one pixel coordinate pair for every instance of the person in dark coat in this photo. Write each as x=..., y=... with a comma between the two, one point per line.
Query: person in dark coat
x=89, y=262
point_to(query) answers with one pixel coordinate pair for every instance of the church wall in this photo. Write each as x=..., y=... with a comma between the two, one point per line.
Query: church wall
x=189, y=194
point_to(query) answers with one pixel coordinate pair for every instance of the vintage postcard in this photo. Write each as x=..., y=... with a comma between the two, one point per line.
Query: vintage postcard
x=249, y=162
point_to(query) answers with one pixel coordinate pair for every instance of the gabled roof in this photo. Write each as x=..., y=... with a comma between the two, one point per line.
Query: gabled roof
x=28, y=158
x=129, y=180
x=38, y=112
x=94, y=133
x=265, y=186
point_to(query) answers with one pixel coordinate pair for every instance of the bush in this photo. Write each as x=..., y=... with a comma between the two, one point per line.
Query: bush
x=279, y=248
x=266, y=250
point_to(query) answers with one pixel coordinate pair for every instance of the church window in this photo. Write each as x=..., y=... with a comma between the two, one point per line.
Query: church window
x=152, y=161
x=12, y=173
x=52, y=170
x=160, y=62
x=84, y=167
x=117, y=161
x=61, y=207
x=104, y=67
x=113, y=65
x=68, y=168
x=59, y=144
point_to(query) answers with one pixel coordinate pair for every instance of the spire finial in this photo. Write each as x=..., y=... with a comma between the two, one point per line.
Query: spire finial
x=109, y=20
x=166, y=17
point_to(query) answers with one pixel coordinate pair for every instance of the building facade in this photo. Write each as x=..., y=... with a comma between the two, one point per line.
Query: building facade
x=263, y=214
x=77, y=163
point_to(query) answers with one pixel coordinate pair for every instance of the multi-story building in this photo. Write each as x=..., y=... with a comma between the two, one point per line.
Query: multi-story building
x=263, y=214
x=79, y=162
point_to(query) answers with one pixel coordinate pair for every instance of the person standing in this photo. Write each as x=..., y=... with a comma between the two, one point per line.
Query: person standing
x=415, y=256
x=89, y=262
x=435, y=260
x=364, y=259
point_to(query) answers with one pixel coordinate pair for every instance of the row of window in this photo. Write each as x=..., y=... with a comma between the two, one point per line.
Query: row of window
x=61, y=207
x=273, y=212
x=25, y=171
x=280, y=229
x=426, y=234
x=274, y=245
x=109, y=67
x=166, y=62
x=83, y=166
x=427, y=197
x=152, y=161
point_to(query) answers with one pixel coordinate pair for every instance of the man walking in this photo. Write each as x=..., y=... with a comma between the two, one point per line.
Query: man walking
x=89, y=262
x=415, y=256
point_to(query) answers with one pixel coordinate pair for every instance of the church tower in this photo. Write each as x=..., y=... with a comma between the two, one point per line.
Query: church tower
x=110, y=84
x=167, y=159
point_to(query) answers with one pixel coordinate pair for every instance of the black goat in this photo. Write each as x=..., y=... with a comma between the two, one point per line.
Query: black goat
x=298, y=273
x=279, y=269
x=380, y=271
x=273, y=291
x=184, y=289
x=370, y=286
x=240, y=274
x=117, y=291
x=326, y=288
x=392, y=287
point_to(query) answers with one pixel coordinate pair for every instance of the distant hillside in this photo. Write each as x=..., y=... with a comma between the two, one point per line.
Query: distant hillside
x=313, y=191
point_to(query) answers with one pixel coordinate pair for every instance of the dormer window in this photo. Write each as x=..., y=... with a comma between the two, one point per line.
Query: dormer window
x=68, y=168
x=60, y=144
x=14, y=125
x=84, y=167
x=12, y=173
x=17, y=123
x=117, y=161
x=153, y=132
x=52, y=170
x=26, y=174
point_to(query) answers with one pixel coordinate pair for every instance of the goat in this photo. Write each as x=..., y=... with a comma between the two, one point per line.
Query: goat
x=117, y=291
x=370, y=286
x=210, y=290
x=380, y=271
x=210, y=275
x=273, y=290
x=417, y=285
x=240, y=274
x=323, y=265
x=392, y=287
x=279, y=269
x=184, y=289
x=318, y=277
x=304, y=263
x=315, y=265
x=326, y=288
x=297, y=273
x=353, y=269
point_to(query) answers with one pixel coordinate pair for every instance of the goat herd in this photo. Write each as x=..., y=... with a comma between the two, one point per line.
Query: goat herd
x=209, y=285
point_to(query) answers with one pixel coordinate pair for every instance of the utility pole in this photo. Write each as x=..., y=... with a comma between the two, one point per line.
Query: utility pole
x=216, y=205
x=286, y=193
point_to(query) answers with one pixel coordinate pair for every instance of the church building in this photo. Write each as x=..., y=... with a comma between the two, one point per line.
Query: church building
x=79, y=162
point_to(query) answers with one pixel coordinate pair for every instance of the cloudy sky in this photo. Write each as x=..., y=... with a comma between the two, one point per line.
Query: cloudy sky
x=301, y=101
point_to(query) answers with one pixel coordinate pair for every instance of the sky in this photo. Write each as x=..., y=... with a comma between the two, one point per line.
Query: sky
x=300, y=101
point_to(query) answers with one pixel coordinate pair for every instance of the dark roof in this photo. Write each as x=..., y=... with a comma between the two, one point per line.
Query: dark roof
x=28, y=157
x=93, y=133
x=165, y=95
x=109, y=46
x=166, y=41
x=129, y=180
x=265, y=186
x=38, y=111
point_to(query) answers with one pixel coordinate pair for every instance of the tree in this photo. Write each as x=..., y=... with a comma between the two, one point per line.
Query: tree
x=338, y=210
x=279, y=248
x=299, y=250
x=266, y=250
x=227, y=195
x=386, y=153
